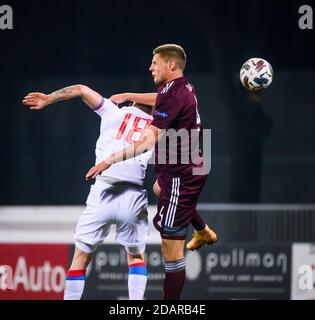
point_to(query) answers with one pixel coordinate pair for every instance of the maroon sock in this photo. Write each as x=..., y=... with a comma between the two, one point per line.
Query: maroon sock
x=174, y=279
x=197, y=221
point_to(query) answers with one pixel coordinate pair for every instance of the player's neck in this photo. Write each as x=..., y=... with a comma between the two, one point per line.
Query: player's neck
x=174, y=76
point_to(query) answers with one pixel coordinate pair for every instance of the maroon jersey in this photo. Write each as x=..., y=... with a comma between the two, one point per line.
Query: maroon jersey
x=177, y=109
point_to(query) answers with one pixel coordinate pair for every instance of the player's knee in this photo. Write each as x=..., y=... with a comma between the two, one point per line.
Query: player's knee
x=172, y=256
x=135, y=250
x=156, y=189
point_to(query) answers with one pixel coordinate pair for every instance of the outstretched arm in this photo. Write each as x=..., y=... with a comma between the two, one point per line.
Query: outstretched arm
x=148, y=99
x=151, y=136
x=38, y=100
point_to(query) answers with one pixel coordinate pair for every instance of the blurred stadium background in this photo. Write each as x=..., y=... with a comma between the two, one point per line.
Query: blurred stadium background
x=260, y=193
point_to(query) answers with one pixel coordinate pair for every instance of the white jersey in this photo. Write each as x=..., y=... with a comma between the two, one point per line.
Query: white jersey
x=121, y=127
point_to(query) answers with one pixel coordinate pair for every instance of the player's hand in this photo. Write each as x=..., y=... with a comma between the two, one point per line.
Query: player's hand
x=119, y=98
x=97, y=170
x=36, y=100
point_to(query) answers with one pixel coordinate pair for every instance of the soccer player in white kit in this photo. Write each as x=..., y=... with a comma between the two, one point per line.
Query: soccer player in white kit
x=117, y=197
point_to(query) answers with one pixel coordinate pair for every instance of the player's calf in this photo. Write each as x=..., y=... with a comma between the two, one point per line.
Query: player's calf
x=173, y=254
x=75, y=279
x=137, y=276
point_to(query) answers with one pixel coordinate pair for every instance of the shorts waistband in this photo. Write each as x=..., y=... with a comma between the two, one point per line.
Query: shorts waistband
x=116, y=182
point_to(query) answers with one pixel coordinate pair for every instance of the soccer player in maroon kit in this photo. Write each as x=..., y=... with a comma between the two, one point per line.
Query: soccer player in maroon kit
x=177, y=185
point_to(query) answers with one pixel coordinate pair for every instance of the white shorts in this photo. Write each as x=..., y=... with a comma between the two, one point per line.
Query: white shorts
x=124, y=206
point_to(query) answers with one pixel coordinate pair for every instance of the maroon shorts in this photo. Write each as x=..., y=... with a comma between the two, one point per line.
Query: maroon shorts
x=177, y=204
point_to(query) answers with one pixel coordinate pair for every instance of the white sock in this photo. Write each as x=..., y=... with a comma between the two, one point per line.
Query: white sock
x=74, y=286
x=137, y=280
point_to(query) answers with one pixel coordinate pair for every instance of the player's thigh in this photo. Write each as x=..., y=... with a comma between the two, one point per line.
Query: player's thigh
x=157, y=188
x=132, y=225
x=95, y=221
x=172, y=249
x=172, y=218
x=133, y=233
x=177, y=203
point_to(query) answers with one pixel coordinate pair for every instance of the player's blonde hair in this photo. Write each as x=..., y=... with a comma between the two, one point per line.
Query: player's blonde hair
x=172, y=51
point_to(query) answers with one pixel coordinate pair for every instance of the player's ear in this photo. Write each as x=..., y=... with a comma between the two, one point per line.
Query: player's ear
x=172, y=64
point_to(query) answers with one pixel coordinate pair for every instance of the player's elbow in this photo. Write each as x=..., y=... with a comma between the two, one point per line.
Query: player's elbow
x=82, y=89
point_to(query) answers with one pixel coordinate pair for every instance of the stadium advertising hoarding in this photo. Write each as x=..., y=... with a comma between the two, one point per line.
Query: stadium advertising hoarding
x=229, y=271
x=33, y=271
x=303, y=271
x=241, y=271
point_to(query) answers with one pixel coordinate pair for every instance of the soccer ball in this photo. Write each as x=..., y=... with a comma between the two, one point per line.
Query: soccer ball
x=256, y=74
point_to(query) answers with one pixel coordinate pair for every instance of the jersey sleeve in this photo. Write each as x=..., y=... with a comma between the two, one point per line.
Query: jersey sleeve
x=166, y=112
x=105, y=106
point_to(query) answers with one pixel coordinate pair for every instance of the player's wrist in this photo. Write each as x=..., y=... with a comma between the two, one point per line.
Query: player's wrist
x=110, y=160
x=50, y=100
x=127, y=96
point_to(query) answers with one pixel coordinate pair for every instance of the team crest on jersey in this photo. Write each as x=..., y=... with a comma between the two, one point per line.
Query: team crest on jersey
x=167, y=87
x=160, y=115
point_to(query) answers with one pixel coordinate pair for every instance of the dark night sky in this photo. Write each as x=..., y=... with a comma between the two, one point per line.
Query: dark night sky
x=97, y=37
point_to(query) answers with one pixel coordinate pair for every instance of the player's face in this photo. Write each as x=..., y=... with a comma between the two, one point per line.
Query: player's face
x=160, y=69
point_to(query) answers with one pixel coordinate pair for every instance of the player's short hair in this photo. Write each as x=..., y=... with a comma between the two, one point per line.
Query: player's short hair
x=168, y=51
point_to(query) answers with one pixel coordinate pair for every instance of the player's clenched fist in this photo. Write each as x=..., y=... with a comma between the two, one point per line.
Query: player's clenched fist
x=36, y=100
